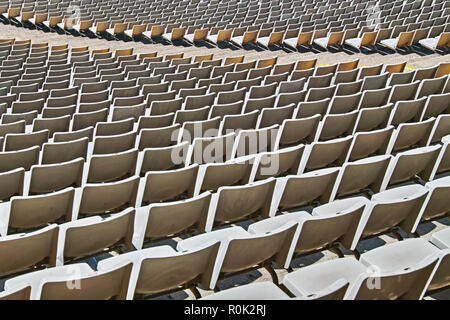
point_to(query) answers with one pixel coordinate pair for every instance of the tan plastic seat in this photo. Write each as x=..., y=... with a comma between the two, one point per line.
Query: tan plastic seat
x=158, y=137
x=34, y=248
x=48, y=178
x=409, y=164
x=88, y=236
x=162, y=269
x=115, y=143
x=161, y=220
x=163, y=158
x=112, y=167
x=20, y=141
x=11, y=184
x=108, y=197
x=212, y=176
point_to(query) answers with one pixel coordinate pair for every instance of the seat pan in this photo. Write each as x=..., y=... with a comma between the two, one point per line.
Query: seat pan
x=355, y=42
x=314, y=278
x=404, y=193
x=399, y=255
x=237, y=40
x=322, y=42
x=253, y=291
x=273, y=223
x=390, y=43
x=442, y=239
x=189, y=37
x=429, y=43
x=291, y=42
x=202, y=239
x=212, y=38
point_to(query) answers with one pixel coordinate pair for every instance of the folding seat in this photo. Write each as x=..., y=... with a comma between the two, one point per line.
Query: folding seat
x=200, y=114
x=370, y=71
x=18, y=141
x=403, y=203
x=438, y=42
x=344, y=104
x=301, y=39
x=355, y=177
x=114, y=143
x=229, y=96
x=112, y=167
x=12, y=184
x=436, y=203
x=153, y=261
x=275, y=38
x=178, y=183
x=166, y=106
x=397, y=279
x=404, y=39
x=55, y=102
x=263, y=253
x=277, y=163
x=87, y=119
x=443, y=70
x=136, y=31
x=226, y=109
x=346, y=76
x=348, y=66
x=244, y=66
x=440, y=129
x=375, y=82
x=187, y=92
x=331, y=39
x=227, y=205
x=316, y=94
x=402, y=92
x=31, y=249
x=114, y=127
x=28, y=117
x=279, y=68
x=199, y=129
x=311, y=108
x=158, y=137
x=109, y=233
x=284, y=99
x=14, y=127
x=367, y=39
x=254, y=141
x=162, y=87
x=375, y=98
x=325, y=70
x=195, y=102
x=258, y=290
x=59, y=124
x=278, y=78
x=350, y=88
x=115, y=196
x=409, y=164
x=113, y=283
x=155, y=121
x=46, y=178
x=334, y=228
x=431, y=86
x=158, y=159
x=160, y=96
x=325, y=154
x=271, y=116
x=174, y=34
x=319, y=81
x=336, y=125
x=295, y=131
x=436, y=105
x=408, y=135
x=406, y=111
x=58, y=152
